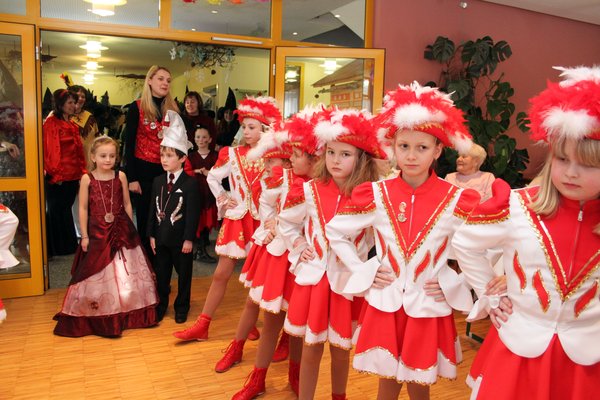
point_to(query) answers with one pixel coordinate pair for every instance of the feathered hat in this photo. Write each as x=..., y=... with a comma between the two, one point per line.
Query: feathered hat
x=570, y=108
x=353, y=127
x=274, y=143
x=263, y=109
x=175, y=135
x=300, y=128
x=424, y=109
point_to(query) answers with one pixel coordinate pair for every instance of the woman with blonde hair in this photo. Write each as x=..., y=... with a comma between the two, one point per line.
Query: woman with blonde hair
x=143, y=134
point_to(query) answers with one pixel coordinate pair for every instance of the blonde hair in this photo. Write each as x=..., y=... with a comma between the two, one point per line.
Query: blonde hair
x=101, y=141
x=147, y=105
x=364, y=170
x=546, y=202
x=478, y=153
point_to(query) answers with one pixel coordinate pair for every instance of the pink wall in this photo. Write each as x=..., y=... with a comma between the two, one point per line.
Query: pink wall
x=538, y=41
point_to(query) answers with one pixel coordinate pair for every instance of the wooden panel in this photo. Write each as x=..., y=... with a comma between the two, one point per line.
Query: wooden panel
x=152, y=364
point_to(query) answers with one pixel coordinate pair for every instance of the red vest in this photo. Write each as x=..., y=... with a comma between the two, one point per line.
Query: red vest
x=147, y=142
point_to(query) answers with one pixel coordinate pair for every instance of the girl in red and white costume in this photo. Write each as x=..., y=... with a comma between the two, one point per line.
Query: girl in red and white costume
x=545, y=341
x=407, y=331
x=273, y=283
x=275, y=154
x=238, y=207
x=316, y=312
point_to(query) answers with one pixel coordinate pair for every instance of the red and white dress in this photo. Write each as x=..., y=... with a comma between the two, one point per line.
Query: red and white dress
x=315, y=311
x=272, y=284
x=404, y=333
x=548, y=348
x=112, y=285
x=240, y=222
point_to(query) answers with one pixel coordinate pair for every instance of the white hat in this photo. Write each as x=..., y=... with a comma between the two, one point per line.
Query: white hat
x=175, y=135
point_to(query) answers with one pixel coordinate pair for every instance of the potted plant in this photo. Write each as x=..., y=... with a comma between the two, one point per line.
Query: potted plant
x=469, y=73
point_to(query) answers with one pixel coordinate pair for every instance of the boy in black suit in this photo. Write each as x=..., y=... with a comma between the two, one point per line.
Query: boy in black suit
x=173, y=220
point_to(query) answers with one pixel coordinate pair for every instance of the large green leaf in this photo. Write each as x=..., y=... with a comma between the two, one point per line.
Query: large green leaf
x=441, y=51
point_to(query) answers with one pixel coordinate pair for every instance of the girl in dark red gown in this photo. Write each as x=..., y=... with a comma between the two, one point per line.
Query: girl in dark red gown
x=202, y=161
x=112, y=286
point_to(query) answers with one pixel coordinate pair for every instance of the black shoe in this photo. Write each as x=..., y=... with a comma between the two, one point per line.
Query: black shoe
x=200, y=253
x=180, y=318
x=207, y=258
x=160, y=314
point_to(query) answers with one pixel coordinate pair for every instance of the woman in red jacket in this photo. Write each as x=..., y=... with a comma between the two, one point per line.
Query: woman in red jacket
x=64, y=164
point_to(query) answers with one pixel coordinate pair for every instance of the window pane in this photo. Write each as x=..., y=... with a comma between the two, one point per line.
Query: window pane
x=13, y=7
x=12, y=150
x=341, y=82
x=133, y=12
x=14, y=235
x=335, y=22
x=248, y=18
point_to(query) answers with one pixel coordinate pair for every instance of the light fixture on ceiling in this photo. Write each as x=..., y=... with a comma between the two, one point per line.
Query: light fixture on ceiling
x=291, y=75
x=105, y=8
x=88, y=77
x=329, y=66
x=94, y=48
x=92, y=65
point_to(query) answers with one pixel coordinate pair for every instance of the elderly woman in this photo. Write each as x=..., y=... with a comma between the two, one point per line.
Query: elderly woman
x=468, y=175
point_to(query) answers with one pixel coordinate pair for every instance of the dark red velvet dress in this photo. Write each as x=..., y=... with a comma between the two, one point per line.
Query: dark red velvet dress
x=112, y=286
x=208, y=204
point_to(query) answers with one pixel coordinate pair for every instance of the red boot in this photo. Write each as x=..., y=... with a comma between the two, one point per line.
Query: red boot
x=254, y=334
x=294, y=376
x=254, y=386
x=233, y=355
x=198, y=331
x=338, y=396
x=283, y=348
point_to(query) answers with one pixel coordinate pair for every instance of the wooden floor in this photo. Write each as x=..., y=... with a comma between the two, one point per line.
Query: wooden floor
x=152, y=364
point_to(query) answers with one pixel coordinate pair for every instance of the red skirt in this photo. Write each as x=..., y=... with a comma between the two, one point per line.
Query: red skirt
x=397, y=346
x=208, y=220
x=273, y=283
x=551, y=376
x=235, y=237
x=255, y=254
x=320, y=315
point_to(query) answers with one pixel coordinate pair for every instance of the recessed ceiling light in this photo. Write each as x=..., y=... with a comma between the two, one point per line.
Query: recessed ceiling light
x=295, y=33
x=337, y=15
x=193, y=29
x=214, y=12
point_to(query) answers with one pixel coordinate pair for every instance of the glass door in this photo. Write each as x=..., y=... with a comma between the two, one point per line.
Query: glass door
x=347, y=78
x=21, y=266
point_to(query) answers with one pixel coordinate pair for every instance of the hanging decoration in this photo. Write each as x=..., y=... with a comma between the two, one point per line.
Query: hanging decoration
x=203, y=55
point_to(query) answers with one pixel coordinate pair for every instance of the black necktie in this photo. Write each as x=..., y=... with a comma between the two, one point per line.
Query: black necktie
x=170, y=184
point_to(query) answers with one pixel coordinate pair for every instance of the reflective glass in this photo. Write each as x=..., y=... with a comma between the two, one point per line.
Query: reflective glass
x=14, y=235
x=247, y=18
x=341, y=82
x=13, y=7
x=12, y=139
x=335, y=22
x=125, y=12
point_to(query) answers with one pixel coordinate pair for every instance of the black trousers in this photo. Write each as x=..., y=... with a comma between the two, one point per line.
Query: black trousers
x=141, y=202
x=60, y=228
x=166, y=258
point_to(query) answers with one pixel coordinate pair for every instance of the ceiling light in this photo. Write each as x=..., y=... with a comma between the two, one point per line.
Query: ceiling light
x=105, y=8
x=337, y=15
x=94, y=54
x=295, y=33
x=214, y=12
x=92, y=65
x=88, y=77
x=93, y=46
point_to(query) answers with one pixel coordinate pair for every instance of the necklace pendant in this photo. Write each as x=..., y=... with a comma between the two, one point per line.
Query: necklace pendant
x=161, y=215
x=402, y=217
x=109, y=217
